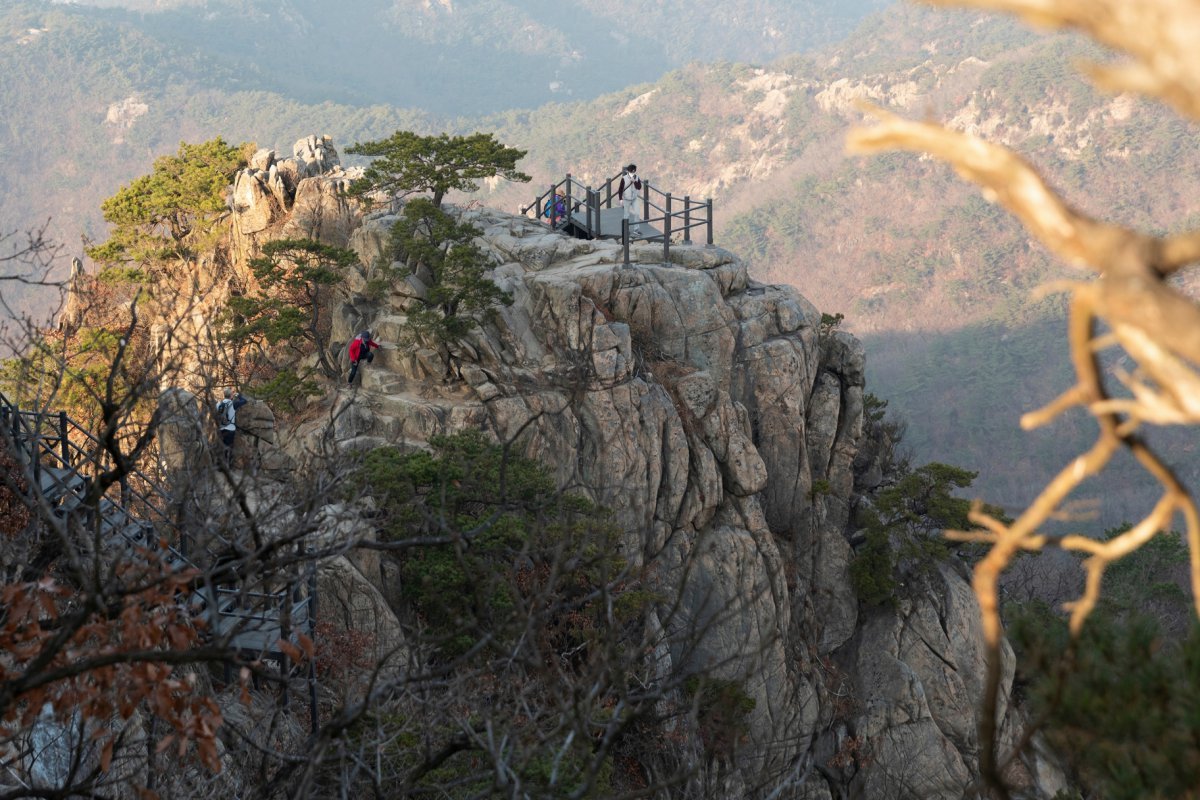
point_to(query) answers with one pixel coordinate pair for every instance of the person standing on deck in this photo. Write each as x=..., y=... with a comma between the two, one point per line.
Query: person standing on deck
x=556, y=210
x=630, y=192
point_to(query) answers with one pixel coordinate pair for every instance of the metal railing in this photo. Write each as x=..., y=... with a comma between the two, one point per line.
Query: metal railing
x=583, y=204
x=251, y=621
x=54, y=439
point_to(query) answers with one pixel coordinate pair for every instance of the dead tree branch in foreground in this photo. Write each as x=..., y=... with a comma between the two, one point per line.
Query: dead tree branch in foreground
x=1156, y=325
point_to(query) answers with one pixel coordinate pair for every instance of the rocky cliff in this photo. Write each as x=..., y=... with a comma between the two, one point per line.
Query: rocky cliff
x=724, y=429
x=723, y=426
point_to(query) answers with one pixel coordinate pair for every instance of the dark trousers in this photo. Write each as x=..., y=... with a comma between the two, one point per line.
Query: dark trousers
x=227, y=438
x=369, y=357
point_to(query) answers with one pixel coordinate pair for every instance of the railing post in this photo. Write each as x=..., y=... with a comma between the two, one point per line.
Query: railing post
x=687, y=219
x=312, y=635
x=62, y=438
x=667, y=231
x=608, y=193
x=645, y=200
x=708, y=205
x=285, y=631
x=625, y=238
x=588, y=190
x=568, y=182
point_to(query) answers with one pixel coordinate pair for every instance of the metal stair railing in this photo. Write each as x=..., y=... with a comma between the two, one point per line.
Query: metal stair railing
x=252, y=622
x=50, y=435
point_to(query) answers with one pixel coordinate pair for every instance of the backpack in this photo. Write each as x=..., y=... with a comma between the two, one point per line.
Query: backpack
x=226, y=412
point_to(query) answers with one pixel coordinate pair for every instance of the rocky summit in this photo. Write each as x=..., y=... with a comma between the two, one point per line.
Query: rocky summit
x=722, y=424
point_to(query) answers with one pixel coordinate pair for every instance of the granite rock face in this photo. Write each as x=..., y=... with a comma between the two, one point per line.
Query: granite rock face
x=714, y=415
x=721, y=425
x=299, y=197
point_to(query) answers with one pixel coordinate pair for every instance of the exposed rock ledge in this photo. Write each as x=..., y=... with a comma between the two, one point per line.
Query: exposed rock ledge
x=707, y=411
x=704, y=408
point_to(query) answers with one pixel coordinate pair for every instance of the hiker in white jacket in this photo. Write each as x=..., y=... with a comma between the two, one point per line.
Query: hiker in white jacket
x=630, y=192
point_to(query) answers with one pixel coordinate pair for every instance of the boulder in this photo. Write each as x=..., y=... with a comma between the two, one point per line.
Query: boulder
x=356, y=619
x=371, y=241
x=322, y=211
x=256, y=442
x=183, y=436
x=262, y=160
x=315, y=155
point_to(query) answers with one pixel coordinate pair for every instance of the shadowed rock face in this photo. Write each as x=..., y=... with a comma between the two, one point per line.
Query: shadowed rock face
x=721, y=428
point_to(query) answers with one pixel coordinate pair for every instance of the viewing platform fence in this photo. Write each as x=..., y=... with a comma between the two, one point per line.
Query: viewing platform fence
x=596, y=212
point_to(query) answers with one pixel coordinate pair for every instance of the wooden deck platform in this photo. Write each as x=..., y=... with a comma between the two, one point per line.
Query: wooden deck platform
x=609, y=225
x=688, y=221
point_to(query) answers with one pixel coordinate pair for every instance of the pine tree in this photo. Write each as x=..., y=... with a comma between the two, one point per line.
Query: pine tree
x=441, y=251
x=407, y=163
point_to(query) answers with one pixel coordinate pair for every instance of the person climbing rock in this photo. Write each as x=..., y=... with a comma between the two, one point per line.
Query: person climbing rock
x=360, y=350
x=227, y=420
x=630, y=192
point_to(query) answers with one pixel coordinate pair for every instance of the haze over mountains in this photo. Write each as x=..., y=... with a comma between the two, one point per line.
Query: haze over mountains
x=934, y=279
x=459, y=57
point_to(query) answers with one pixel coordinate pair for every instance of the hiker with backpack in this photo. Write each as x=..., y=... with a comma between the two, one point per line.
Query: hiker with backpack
x=630, y=192
x=360, y=350
x=227, y=420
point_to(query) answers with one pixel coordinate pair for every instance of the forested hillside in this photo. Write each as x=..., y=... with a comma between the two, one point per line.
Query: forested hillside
x=933, y=277
x=473, y=56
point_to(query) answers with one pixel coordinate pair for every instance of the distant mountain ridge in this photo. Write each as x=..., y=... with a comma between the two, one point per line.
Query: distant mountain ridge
x=936, y=280
x=465, y=57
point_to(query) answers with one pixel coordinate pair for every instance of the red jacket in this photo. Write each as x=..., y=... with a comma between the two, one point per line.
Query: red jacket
x=356, y=348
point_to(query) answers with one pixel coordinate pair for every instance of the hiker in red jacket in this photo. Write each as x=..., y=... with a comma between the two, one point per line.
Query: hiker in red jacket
x=360, y=350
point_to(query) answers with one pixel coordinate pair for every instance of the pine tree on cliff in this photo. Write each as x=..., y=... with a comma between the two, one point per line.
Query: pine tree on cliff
x=290, y=306
x=407, y=163
x=441, y=252
x=169, y=216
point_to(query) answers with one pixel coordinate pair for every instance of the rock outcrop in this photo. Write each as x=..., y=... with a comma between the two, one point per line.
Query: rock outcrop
x=715, y=417
x=721, y=425
x=298, y=197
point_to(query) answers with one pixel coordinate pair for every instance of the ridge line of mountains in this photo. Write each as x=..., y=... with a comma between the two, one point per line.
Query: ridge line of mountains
x=934, y=279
